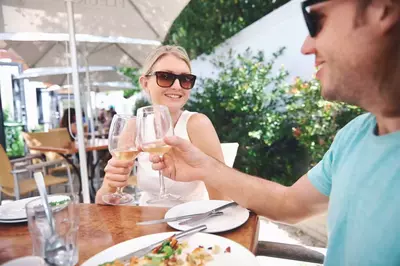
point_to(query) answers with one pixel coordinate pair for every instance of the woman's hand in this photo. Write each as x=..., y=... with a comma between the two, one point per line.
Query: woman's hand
x=117, y=173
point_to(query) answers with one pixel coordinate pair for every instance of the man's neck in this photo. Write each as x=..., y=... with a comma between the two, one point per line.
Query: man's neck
x=387, y=125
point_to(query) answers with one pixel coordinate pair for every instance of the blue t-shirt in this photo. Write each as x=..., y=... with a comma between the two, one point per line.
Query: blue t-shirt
x=361, y=175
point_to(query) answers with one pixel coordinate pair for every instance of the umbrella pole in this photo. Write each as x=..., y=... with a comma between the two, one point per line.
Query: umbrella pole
x=90, y=115
x=78, y=108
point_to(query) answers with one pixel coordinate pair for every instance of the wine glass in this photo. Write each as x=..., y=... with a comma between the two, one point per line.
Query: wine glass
x=122, y=145
x=154, y=123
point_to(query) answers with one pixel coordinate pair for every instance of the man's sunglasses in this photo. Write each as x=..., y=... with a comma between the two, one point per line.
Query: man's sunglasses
x=166, y=79
x=312, y=20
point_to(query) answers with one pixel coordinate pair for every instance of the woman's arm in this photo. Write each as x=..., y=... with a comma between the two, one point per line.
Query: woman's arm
x=203, y=135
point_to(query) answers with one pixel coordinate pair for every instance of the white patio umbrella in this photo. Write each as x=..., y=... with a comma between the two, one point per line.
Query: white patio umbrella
x=149, y=19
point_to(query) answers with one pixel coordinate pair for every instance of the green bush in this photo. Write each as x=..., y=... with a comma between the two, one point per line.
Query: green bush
x=316, y=120
x=282, y=130
x=14, y=143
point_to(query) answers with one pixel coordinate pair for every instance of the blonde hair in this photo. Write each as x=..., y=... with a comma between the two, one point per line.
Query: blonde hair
x=161, y=51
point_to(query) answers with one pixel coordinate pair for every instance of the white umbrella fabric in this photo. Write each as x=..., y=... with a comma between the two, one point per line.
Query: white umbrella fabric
x=92, y=17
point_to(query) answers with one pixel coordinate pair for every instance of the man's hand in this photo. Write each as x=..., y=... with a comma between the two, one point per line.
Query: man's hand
x=184, y=162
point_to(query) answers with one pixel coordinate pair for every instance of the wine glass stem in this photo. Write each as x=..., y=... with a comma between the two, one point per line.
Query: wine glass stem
x=162, y=183
x=119, y=190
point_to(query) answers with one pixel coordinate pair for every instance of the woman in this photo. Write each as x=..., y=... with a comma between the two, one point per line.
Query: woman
x=167, y=79
x=70, y=123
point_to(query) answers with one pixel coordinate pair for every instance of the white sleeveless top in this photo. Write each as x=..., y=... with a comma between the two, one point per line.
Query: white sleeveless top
x=148, y=180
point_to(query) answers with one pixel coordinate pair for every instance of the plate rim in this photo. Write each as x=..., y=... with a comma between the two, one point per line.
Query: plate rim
x=207, y=230
x=167, y=234
x=29, y=199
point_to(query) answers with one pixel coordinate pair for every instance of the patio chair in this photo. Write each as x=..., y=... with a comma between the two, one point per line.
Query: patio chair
x=230, y=151
x=56, y=138
x=11, y=181
x=289, y=251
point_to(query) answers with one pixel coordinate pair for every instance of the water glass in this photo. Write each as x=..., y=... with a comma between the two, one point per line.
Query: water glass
x=65, y=211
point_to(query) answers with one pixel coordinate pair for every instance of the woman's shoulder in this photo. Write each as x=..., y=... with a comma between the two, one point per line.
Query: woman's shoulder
x=199, y=121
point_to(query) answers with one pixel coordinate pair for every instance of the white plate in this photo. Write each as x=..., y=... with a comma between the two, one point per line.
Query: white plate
x=239, y=255
x=13, y=221
x=29, y=260
x=232, y=218
x=16, y=210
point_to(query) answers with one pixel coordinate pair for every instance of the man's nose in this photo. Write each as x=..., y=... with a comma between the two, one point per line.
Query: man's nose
x=308, y=46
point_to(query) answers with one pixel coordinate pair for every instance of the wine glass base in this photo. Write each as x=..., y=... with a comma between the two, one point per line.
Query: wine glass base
x=117, y=199
x=164, y=198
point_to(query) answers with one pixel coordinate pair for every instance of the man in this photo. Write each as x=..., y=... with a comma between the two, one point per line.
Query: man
x=356, y=44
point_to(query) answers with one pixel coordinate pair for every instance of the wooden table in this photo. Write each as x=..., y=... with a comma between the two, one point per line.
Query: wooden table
x=104, y=226
x=90, y=145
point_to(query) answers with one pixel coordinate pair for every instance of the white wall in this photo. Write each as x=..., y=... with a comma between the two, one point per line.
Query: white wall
x=6, y=87
x=283, y=27
x=31, y=104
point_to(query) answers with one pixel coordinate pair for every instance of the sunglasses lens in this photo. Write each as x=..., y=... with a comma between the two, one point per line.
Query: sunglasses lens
x=187, y=81
x=165, y=79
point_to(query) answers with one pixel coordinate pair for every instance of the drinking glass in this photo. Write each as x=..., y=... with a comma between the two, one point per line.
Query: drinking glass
x=154, y=123
x=65, y=209
x=122, y=145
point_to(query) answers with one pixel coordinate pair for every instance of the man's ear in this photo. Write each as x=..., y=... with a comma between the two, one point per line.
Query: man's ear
x=386, y=14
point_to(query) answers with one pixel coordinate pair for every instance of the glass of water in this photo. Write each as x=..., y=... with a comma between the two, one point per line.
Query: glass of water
x=65, y=211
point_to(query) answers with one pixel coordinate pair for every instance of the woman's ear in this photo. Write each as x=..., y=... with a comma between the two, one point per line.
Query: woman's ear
x=143, y=81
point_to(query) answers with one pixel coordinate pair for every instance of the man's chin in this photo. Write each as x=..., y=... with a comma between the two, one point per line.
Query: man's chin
x=328, y=94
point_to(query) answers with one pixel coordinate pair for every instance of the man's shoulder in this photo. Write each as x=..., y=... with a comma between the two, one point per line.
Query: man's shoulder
x=360, y=123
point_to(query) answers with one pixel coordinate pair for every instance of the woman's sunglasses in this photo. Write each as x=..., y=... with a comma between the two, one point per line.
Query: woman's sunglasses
x=312, y=19
x=166, y=79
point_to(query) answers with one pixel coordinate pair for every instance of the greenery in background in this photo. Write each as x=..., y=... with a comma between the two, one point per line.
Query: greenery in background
x=133, y=74
x=282, y=130
x=203, y=24
x=140, y=102
x=14, y=142
x=316, y=121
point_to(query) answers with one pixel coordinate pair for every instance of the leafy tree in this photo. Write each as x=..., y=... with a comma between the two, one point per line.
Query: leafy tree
x=204, y=24
x=133, y=74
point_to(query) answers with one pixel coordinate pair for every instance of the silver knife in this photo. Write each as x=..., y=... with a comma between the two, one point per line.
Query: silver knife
x=174, y=219
x=184, y=217
x=142, y=252
x=208, y=214
x=199, y=219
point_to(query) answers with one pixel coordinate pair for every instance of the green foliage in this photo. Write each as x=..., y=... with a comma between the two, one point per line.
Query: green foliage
x=140, y=102
x=204, y=24
x=317, y=121
x=241, y=111
x=6, y=114
x=133, y=74
x=14, y=142
x=282, y=130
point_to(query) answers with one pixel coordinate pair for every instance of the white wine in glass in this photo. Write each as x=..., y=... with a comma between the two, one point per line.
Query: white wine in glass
x=122, y=145
x=158, y=147
x=154, y=124
x=129, y=154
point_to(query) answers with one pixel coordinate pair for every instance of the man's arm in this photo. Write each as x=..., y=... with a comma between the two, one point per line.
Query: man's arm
x=186, y=163
x=274, y=201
